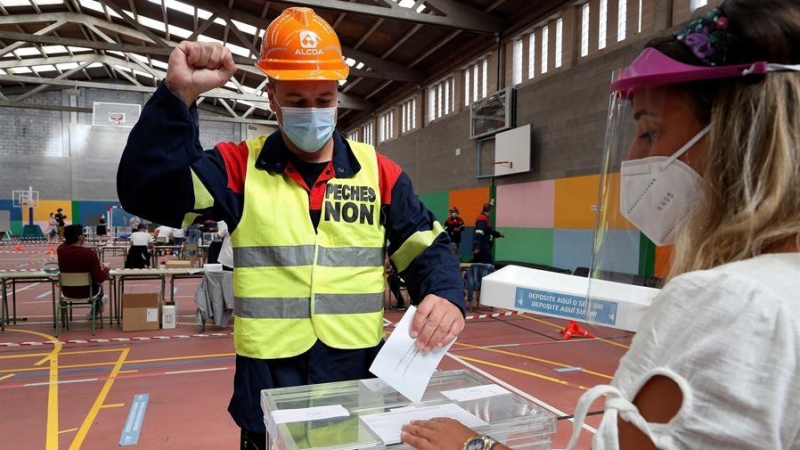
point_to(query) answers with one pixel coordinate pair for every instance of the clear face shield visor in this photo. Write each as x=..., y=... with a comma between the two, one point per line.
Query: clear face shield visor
x=649, y=188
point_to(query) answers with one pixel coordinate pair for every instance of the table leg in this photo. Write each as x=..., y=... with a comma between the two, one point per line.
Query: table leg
x=53, y=294
x=14, y=301
x=3, y=306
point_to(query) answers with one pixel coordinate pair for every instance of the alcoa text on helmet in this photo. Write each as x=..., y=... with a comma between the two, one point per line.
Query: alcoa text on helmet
x=300, y=45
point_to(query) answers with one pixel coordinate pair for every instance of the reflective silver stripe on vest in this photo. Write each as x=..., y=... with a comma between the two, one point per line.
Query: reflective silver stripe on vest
x=273, y=256
x=272, y=308
x=350, y=257
x=303, y=255
x=348, y=303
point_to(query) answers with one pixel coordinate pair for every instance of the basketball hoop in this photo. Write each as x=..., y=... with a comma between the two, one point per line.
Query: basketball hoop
x=116, y=118
x=509, y=164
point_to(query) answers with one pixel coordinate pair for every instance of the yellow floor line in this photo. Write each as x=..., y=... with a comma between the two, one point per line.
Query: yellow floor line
x=68, y=431
x=7, y=376
x=532, y=358
x=113, y=405
x=137, y=361
x=98, y=402
x=524, y=372
x=51, y=440
x=607, y=341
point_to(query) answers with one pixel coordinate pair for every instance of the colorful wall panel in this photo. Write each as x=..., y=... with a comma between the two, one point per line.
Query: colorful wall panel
x=528, y=205
x=438, y=204
x=574, y=200
x=469, y=203
x=572, y=248
x=533, y=245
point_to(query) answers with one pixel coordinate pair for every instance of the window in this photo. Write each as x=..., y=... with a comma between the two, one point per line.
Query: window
x=622, y=19
x=440, y=100
x=353, y=135
x=485, y=79
x=386, y=126
x=516, y=63
x=601, y=41
x=694, y=4
x=559, y=40
x=466, y=87
x=531, y=55
x=366, y=134
x=475, y=94
x=408, y=113
x=475, y=81
x=545, y=43
x=585, y=30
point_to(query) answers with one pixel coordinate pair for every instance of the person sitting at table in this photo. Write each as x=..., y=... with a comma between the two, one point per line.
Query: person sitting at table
x=139, y=254
x=73, y=257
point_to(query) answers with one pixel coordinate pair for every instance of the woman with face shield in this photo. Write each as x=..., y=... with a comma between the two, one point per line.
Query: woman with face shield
x=705, y=132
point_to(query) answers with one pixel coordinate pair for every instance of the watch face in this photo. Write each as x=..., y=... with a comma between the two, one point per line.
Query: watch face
x=475, y=443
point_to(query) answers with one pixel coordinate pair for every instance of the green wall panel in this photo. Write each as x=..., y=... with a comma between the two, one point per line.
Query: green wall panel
x=437, y=202
x=532, y=245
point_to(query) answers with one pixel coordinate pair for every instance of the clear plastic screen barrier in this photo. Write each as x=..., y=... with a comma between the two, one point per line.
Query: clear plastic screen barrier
x=621, y=254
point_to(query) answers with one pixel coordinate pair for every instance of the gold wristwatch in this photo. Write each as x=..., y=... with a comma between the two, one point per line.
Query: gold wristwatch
x=480, y=442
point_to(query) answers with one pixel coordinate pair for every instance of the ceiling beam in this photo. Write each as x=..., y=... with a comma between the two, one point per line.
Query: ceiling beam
x=379, y=68
x=456, y=16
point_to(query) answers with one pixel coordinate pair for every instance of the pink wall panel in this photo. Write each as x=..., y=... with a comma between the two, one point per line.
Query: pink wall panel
x=526, y=205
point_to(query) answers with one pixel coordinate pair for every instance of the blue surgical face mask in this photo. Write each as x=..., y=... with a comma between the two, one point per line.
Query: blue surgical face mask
x=309, y=128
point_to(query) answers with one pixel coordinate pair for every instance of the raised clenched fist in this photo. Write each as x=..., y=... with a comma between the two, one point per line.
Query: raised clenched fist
x=197, y=67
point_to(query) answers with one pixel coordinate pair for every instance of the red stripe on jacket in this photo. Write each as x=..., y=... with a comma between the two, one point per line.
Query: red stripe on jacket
x=235, y=157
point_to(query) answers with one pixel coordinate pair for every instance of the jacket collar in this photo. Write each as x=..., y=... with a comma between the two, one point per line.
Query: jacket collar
x=274, y=156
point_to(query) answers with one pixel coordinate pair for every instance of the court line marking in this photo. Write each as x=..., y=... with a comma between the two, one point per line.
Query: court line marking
x=47, y=383
x=533, y=358
x=607, y=341
x=176, y=372
x=510, y=387
x=7, y=376
x=68, y=431
x=139, y=361
x=113, y=405
x=51, y=439
x=98, y=402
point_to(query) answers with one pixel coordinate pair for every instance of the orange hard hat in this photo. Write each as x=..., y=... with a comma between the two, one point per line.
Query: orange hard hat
x=300, y=45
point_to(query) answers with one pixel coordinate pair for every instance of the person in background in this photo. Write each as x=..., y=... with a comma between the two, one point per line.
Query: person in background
x=52, y=232
x=164, y=233
x=134, y=224
x=484, y=237
x=60, y=222
x=102, y=230
x=178, y=236
x=226, y=248
x=714, y=363
x=73, y=257
x=139, y=252
x=289, y=200
x=454, y=226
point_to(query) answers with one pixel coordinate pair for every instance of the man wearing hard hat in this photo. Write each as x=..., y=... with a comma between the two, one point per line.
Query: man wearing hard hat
x=309, y=214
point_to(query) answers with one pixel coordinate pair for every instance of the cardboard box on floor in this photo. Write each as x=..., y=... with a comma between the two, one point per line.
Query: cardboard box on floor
x=141, y=312
x=180, y=264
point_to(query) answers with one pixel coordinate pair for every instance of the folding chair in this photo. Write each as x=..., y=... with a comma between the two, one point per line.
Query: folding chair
x=65, y=304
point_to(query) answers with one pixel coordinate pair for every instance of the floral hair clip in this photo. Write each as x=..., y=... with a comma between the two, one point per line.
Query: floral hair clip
x=707, y=37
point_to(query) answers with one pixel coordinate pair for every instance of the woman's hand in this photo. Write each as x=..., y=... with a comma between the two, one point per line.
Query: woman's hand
x=436, y=434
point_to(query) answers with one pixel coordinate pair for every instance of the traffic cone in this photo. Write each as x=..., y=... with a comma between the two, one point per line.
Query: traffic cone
x=18, y=248
x=573, y=329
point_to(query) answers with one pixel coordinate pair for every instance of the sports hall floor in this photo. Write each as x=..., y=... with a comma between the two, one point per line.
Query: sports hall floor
x=77, y=393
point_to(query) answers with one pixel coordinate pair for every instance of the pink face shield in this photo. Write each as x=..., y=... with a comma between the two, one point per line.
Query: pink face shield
x=653, y=68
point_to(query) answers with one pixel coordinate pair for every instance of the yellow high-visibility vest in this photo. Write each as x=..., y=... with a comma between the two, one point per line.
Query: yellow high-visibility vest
x=293, y=286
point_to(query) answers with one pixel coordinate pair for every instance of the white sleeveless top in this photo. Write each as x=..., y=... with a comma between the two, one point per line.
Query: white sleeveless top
x=730, y=338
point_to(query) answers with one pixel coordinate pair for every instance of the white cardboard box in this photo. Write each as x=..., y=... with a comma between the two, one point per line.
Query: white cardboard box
x=169, y=316
x=615, y=305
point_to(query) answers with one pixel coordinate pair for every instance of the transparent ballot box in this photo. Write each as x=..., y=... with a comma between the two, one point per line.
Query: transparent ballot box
x=368, y=414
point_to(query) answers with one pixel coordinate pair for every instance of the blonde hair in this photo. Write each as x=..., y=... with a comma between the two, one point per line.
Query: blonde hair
x=752, y=171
